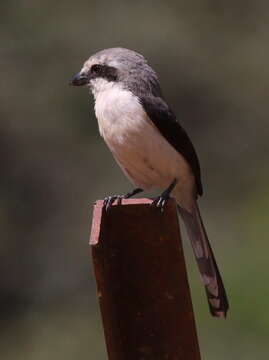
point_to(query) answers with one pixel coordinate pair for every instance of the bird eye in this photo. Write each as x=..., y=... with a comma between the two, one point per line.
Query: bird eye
x=96, y=68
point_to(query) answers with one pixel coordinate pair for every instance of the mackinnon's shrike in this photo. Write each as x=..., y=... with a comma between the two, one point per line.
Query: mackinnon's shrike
x=151, y=147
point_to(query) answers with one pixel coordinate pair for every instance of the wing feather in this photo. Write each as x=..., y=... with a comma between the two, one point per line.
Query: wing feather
x=165, y=121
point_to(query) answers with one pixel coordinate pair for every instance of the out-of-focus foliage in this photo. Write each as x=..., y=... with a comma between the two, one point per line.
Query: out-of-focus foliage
x=212, y=59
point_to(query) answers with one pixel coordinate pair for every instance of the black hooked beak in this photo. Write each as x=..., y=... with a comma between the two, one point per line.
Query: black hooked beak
x=79, y=80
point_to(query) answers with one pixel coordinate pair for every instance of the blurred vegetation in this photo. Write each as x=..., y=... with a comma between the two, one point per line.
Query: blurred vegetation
x=212, y=59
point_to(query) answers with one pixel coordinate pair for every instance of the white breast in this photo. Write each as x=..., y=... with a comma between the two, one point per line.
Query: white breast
x=142, y=152
x=118, y=112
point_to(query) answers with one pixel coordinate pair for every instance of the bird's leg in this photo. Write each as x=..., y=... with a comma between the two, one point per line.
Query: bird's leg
x=132, y=193
x=109, y=200
x=161, y=200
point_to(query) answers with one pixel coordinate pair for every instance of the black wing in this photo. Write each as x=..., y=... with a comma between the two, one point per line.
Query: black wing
x=164, y=119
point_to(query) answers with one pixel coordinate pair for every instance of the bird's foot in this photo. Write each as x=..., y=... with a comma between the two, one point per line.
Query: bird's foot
x=160, y=201
x=110, y=200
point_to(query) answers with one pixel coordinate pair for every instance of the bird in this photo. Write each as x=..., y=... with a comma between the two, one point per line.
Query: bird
x=151, y=147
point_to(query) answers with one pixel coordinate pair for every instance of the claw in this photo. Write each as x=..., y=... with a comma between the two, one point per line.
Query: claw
x=119, y=199
x=108, y=201
x=160, y=202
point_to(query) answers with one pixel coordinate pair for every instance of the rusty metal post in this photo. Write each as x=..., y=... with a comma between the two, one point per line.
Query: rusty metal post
x=142, y=283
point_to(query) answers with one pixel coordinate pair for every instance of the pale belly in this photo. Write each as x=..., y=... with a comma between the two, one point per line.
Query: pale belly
x=144, y=155
x=147, y=158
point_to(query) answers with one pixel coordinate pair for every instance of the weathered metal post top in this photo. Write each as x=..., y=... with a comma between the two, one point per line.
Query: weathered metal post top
x=142, y=283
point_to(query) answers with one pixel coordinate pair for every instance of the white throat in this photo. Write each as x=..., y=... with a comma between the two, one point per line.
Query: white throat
x=99, y=86
x=117, y=109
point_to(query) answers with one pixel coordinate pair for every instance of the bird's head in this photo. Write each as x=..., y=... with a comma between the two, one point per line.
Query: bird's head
x=117, y=66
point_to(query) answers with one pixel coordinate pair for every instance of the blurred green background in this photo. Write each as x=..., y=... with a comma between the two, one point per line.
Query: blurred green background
x=212, y=60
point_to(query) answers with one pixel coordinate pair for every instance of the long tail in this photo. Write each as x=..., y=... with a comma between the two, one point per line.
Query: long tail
x=216, y=294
